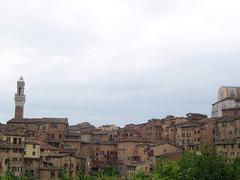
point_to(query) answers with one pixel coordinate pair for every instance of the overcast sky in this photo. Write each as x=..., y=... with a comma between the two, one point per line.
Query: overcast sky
x=119, y=61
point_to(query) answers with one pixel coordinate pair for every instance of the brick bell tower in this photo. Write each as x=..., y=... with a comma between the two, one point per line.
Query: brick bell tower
x=19, y=99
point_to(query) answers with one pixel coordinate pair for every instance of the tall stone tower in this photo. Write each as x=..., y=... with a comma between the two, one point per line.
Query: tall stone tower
x=19, y=99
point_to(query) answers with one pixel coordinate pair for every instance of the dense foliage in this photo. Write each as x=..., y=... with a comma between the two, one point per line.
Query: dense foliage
x=207, y=166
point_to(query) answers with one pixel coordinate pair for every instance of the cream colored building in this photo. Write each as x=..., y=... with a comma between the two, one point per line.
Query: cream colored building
x=32, y=150
x=13, y=138
x=228, y=97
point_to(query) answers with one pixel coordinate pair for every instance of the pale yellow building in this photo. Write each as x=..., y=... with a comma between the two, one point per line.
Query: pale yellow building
x=13, y=138
x=32, y=150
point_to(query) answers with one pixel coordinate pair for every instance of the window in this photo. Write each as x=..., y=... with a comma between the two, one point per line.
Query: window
x=14, y=140
x=8, y=139
x=14, y=169
x=52, y=174
x=52, y=135
x=34, y=146
x=54, y=126
x=60, y=136
x=34, y=153
x=6, y=161
x=15, y=150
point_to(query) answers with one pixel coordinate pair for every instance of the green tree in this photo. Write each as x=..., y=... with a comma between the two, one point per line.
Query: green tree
x=166, y=169
x=109, y=171
x=206, y=166
x=64, y=175
x=234, y=169
x=139, y=174
x=7, y=176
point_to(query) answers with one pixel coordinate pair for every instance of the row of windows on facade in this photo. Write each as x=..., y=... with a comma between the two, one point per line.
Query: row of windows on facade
x=31, y=135
x=59, y=136
x=65, y=166
x=235, y=132
x=230, y=153
x=189, y=134
x=15, y=140
x=14, y=159
x=53, y=126
x=189, y=141
x=16, y=169
x=195, y=132
x=18, y=141
x=107, y=153
x=224, y=124
x=33, y=153
x=6, y=150
x=16, y=151
x=192, y=148
x=232, y=146
x=138, y=158
x=19, y=169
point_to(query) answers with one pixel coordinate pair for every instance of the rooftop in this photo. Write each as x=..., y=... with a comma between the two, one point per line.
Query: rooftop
x=39, y=120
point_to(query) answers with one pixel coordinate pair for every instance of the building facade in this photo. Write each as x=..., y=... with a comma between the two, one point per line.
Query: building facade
x=44, y=147
x=228, y=97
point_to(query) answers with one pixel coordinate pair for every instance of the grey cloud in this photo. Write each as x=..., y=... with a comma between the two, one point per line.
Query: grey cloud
x=117, y=61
